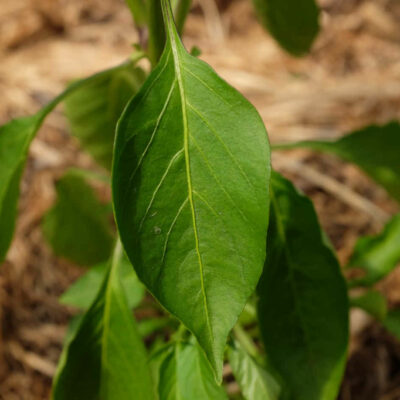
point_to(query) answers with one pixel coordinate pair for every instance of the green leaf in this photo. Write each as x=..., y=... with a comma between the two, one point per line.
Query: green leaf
x=392, y=323
x=184, y=373
x=15, y=138
x=293, y=23
x=377, y=255
x=94, y=109
x=254, y=381
x=374, y=149
x=83, y=292
x=373, y=302
x=78, y=226
x=190, y=187
x=105, y=359
x=303, y=305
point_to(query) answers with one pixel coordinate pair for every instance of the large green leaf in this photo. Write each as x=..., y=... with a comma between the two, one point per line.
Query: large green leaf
x=190, y=186
x=78, y=225
x=377, y=255
x=94, y=109
x=15, y=138
x=184, y=373
x=254, y=381
x=293, y=23
x=374, y=149
x=83, y=292
x=303, y=305
x=105, y=359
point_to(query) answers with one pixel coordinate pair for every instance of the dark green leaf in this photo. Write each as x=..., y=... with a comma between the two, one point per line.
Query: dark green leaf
x=392, y=323
x=377, y=255
x=185, y=374
x=83, y=292
x=373, y=302
x=190, y=186
x=105, y=359
x=78, y=225
x=374, y=149
x=303, y=305
x=94, y=109
x=293, y=23
x=254, y=381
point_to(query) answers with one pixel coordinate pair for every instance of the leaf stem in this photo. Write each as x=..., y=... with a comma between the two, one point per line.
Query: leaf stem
x=245, y=340
x=181, y=12
x=156, y=30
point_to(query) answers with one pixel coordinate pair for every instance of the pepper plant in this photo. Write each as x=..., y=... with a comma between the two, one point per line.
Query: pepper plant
x=223, y=261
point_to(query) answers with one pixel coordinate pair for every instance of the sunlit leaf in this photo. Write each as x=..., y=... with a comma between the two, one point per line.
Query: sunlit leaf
x=190, y=187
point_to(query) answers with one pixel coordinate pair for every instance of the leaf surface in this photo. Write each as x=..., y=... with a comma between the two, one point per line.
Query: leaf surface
x=293, y=23
x=185, y=373
x=372, y=302
x=105, y=359
x=78, y=226
x=254, y=381
x=190, y=188
x=377, y=255
x=303, y=305
x=94, y=109
x=375, y=149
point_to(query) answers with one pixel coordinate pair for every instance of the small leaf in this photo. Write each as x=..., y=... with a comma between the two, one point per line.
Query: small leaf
x=292, y=23
x=83, y=292
x=105, y=359
x=190, y=188
x=377, y=255
x=254, y=381
x=374, y=149
x=185, y=374
x=94, y=109
x=303, y=306
x=78, y=226
x=373, y=302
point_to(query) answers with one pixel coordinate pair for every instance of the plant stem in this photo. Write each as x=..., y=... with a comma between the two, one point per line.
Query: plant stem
x=245, y=340
x=156, y=30
x=181, y=12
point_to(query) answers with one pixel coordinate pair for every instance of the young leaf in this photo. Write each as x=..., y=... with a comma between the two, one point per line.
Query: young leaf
x=78, y=226
x=303, y=305
x=185, y=374
x=94, y=109
x=15, y=138
x=105, y=359
x=372, y=302
x=377, y=255
x=374, y=149
x=83, y=292
x=292, y=23
x=254, y=381
x=190, y=187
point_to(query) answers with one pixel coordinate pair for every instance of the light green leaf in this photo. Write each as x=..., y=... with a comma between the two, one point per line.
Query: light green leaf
x=94, y=109
x=15, y=138
x=293, y=23
x=83, y=292
x=190, y=187
x=377, y=255
x=303, y=305
x=105, y=359
x=374, y=149
x=185, y=374
x=373, y=302
x=78, y=226
x=254, y=381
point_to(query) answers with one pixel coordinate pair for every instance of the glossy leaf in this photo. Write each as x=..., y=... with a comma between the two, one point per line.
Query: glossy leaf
x=82, y=293
x=105, y=359
x=374, y=149
x=190, y=187
x=254, y=381
x=78, y=225
x=372, y=302
x=185, y=374
x=293, y=23
x=94, y=109
x=377, y=255
x=303, y=305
